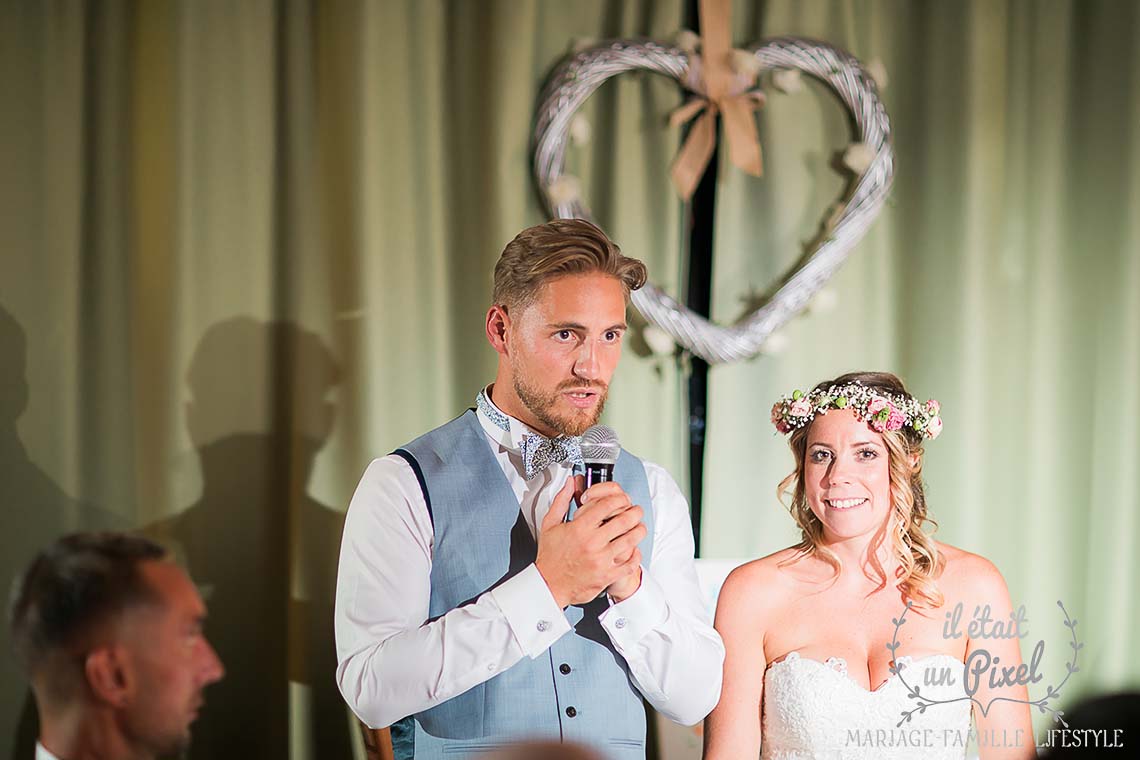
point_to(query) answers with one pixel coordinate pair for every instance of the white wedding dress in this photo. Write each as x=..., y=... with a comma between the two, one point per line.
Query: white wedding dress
x=814, y=710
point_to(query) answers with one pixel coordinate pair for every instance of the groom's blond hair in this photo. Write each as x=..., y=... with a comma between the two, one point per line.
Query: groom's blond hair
x=562, y=247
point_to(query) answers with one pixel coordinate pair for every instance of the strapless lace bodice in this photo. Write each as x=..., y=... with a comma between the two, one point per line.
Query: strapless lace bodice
x=814, y=710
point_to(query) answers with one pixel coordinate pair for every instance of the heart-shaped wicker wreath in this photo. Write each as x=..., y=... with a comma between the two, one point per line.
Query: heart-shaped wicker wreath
x=573, y=81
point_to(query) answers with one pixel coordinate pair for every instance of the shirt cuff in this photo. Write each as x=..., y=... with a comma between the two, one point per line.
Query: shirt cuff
x=535, y=618
x=628, y=620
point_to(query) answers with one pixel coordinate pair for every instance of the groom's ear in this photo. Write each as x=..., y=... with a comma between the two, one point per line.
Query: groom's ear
x=497, y=325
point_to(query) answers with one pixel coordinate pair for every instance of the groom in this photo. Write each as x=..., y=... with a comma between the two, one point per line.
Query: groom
x=469, y=612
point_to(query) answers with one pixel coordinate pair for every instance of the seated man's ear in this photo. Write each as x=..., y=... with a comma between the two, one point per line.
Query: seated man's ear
x=108, y=675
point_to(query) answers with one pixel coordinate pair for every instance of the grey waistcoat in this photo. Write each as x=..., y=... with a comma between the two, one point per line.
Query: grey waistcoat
x=579, y=689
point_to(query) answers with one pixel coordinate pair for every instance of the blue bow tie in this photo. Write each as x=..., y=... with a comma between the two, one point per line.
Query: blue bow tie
x=539, y=452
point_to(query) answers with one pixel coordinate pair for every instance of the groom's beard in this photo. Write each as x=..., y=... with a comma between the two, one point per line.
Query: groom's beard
x=543, y=405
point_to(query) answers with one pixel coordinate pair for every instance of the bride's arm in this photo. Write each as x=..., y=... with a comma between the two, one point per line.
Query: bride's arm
x=1005, y=731
x=732, y=730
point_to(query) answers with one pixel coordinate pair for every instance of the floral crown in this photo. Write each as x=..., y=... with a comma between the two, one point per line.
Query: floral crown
x=882, y=411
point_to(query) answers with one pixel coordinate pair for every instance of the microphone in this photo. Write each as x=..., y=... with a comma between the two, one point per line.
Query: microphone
x=600, y=449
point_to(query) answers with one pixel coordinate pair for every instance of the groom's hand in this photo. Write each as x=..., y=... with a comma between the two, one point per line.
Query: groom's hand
x=624, y=587
x=629, y=564
x=596, y=550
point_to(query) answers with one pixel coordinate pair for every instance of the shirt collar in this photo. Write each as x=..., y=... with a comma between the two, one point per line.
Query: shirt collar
x=43, y=754
x=507, y=431
x=489, y=413
x=500, y=426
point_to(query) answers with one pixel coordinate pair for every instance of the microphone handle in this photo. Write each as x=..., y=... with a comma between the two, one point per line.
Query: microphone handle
x=598, y=472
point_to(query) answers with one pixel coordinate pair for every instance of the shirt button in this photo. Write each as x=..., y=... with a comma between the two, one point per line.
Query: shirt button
x=571, y=712
x=620, y=623
x=564, y=669
x=543, y=626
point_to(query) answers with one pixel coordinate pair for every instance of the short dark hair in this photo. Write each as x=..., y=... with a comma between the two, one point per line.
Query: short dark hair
x=542, y=253
x=73, y=586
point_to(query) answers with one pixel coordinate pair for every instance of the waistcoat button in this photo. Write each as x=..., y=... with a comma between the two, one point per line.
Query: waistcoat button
x=571, y=712
x=564, y=669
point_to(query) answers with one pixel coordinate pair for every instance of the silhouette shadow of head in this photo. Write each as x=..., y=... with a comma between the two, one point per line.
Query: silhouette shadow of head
x=263, y=550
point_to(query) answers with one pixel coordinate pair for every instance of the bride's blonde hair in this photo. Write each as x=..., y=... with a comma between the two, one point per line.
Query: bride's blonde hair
x=920, y=562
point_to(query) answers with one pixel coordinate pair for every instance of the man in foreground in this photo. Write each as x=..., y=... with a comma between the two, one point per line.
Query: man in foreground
x=109, y=632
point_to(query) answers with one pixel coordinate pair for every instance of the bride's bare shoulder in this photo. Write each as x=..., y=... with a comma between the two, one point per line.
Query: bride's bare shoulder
x=969, y=575
x=765, y=569
x=763, y=582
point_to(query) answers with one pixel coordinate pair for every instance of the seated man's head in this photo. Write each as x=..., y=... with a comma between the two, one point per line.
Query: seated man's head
x=109, y=632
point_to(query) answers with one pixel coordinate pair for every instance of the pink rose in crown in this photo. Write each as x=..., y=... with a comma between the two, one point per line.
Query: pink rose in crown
x=934, y=427
x=777, y=411
x=801, y=408
x=933, y=407
x=895, y=420
x=877, y=404
x=778, y=417
x=877, y=424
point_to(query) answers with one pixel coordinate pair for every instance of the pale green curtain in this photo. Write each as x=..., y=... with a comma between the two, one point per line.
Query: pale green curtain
x=246, y=248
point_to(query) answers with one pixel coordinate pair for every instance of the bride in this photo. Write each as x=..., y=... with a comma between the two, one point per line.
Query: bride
x=824, y=657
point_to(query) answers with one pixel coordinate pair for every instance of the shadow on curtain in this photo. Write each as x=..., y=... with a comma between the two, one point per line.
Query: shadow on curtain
x=262, y=550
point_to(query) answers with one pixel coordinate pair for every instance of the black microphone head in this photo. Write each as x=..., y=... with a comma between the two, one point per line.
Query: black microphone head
x=600, y=445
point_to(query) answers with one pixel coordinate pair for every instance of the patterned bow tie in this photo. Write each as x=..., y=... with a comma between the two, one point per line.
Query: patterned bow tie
x=539, y=452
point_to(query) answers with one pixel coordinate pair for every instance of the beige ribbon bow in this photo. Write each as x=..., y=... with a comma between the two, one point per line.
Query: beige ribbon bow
x=721, y=90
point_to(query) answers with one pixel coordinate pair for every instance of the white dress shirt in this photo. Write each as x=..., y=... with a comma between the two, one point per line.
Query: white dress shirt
x=391, y=664
x=43, y=754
